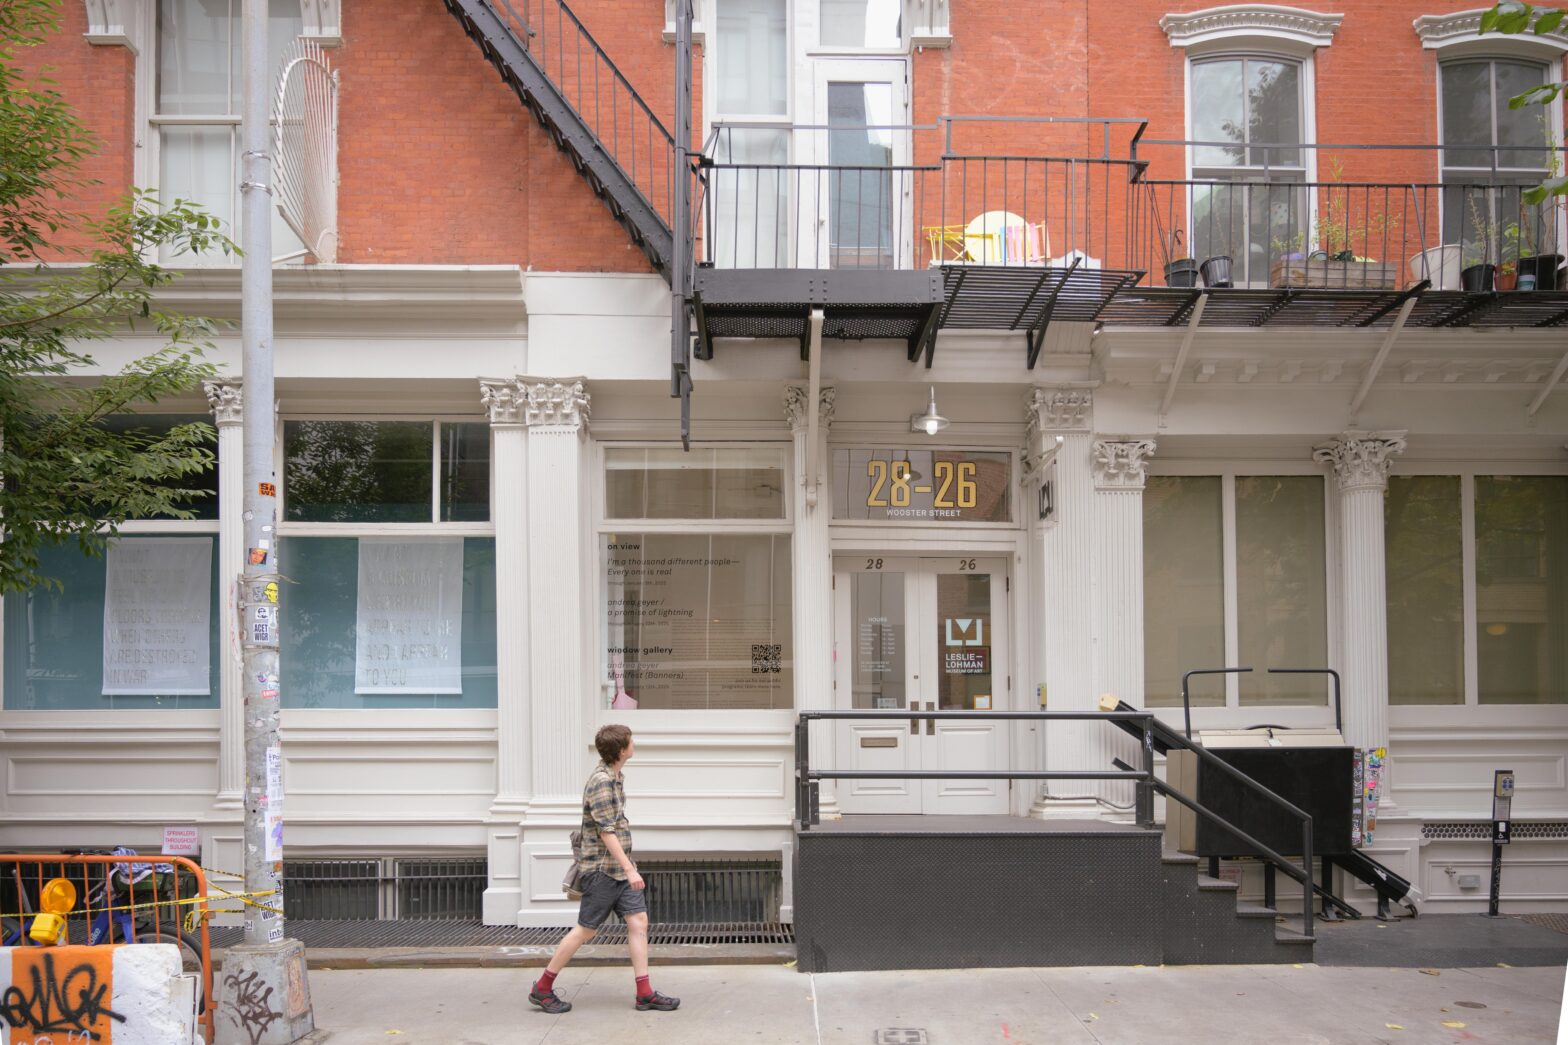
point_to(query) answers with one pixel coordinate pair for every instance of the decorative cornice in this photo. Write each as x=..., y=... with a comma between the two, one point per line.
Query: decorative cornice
x=1464, y=27
x=323, y=21
x=1119, y=464
x=1361, y=460
x=226, y=398
x=1292, y=25
x=503, y=401
x=1058, y=410
x=110, y=22
x=796, y=412
x=560, y=405
x=931, y=25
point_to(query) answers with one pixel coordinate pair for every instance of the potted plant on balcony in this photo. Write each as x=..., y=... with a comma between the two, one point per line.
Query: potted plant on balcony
x=1181, y=270
x=1345, y=238
x=1542, y=269
x=1479, y=272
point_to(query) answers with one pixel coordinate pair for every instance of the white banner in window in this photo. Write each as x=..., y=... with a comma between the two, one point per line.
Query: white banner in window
x=157, y=617
x=409, y=627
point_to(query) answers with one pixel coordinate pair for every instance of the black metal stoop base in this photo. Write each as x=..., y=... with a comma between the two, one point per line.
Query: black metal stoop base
x=945, y=892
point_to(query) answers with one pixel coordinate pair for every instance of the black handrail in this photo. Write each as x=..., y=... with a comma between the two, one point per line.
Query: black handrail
x=1186, y=701
x=1331, y=673
x=807, y=790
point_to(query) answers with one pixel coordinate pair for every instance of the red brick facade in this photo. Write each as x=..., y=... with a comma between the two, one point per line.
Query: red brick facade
x=441, y=164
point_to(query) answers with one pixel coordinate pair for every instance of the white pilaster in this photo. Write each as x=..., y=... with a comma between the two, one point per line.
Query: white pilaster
x=227, y=399
x=504, y=403
x=1062, y=589
x=1118, y=595
x=813, y=579
x=560, y=634
x=1361, y=462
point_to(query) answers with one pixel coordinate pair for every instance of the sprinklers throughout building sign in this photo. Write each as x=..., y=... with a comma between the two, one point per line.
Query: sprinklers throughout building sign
x=952, y=486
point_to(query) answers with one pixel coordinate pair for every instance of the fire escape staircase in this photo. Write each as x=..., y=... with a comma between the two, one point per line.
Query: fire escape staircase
x=588, y=108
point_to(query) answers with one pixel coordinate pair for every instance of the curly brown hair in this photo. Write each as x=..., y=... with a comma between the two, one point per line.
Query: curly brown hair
x=611, y=740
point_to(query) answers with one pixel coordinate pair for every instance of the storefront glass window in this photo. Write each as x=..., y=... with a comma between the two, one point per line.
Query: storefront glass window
x=1521, y=592
x=136, y=628
x=388, y=622
x=205, y=504
x=1183, y=588
x=1424, y=563
x=726, y=483
x=384, y=471
x=697, y=620
x=1281, y=589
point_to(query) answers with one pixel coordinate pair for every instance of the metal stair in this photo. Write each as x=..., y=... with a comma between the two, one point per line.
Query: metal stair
x=1204, y=923
x=589, y=109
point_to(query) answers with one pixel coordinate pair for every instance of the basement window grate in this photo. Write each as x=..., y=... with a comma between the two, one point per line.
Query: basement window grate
x=704, y=892
x=385, y=888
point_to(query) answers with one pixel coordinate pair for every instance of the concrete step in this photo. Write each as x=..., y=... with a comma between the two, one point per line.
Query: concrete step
x=1215, y=885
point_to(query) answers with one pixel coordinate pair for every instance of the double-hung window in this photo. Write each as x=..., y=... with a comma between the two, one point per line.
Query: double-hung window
x=1248, y=163
x=196, y=108
x=1490, y=152
x=1234, y=573
x=388, y=560
x=135, y=628
x=695, y=573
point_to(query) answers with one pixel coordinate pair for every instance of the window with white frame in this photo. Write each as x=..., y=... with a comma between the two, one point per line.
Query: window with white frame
x=196, y=106
x=1490, y=152
x=1234, y=573
x=1477, y=578
x=388, y=558
x=1248, y=125
x=135, y=628
x=751, y=52
x=876, y=25
x=696, y=583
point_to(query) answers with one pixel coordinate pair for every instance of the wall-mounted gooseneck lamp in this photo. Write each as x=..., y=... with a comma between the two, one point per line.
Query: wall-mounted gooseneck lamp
x=929, y=422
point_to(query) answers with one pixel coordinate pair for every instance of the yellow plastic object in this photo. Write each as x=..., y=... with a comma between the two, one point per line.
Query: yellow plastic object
x=58, y=896
x=47, y=929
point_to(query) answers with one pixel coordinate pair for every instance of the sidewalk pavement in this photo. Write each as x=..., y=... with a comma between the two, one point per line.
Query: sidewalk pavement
x=775, y=1004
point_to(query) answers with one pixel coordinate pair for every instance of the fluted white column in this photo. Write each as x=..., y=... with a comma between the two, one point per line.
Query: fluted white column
x=1062, y=590
x=812, y=562
x=1118, y=597
x=227, y=399
x=504, y=405
x=556, y=412
x=1361, y=462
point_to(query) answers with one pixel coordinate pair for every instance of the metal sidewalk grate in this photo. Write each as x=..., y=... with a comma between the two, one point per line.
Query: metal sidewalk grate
x=424, y=933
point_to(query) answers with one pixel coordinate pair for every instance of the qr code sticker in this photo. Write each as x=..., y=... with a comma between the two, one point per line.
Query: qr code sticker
x=766, y=659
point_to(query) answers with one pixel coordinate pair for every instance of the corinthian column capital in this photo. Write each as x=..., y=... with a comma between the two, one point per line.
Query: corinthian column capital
x=226, y=398
x=1058, y=410
x=797, y=413
x=1119, y=464
x=1361, y=460
x=557, y=405
x=503, y=401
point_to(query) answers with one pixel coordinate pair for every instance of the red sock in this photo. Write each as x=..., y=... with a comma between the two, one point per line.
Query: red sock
x=546, y=981
x=644, y=988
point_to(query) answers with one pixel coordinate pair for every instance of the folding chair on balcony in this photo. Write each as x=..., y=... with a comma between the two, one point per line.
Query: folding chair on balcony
x=947, y=244
x=1026, y=243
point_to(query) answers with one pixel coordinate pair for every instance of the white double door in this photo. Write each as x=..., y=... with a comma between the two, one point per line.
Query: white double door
x=924, y=633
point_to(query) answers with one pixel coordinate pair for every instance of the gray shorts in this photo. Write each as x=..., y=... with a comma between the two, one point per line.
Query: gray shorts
x=603, y=894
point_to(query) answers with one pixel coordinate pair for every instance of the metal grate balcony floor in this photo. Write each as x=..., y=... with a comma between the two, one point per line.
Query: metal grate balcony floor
x=1243, y=307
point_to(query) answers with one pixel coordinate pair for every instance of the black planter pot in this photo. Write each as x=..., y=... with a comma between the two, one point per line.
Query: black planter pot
x=1545, y=268
x=1478, y=279
x=1216, y=271
x=1183, y=272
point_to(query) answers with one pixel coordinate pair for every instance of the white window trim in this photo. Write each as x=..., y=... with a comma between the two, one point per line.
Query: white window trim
x=1233, y=713
x=1467, y=475
x=1271, y=27
x=1459, y=35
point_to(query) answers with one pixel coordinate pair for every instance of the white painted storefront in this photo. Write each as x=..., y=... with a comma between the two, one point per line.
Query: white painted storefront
x=1053, y=598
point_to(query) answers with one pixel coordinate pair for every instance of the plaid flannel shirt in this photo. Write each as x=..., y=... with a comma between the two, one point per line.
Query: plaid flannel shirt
x=604, y=809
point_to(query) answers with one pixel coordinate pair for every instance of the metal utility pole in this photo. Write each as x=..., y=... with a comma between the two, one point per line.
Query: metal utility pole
x=266, y=965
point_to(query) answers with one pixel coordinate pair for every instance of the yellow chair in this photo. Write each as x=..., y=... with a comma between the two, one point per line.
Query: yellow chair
x=946, y=243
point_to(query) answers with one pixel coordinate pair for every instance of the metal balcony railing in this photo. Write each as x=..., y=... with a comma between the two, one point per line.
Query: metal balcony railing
x=1336, y=218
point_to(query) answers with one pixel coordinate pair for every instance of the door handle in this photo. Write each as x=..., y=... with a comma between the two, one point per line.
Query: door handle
x=914, y=723
x=931, y=722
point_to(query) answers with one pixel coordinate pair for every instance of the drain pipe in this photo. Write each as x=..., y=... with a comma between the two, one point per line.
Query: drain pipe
x=814, y=392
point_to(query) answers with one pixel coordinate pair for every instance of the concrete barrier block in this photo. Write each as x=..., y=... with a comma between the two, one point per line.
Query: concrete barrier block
x=126, y=994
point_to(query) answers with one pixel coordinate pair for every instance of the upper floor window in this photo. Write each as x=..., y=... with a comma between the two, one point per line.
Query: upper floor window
x=1248, y=118
x=865, y=24
x=196, y=106
x=1487, y=143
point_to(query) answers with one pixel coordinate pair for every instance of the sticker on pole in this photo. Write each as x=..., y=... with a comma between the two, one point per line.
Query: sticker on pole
x=274, y=844
x=266, y=489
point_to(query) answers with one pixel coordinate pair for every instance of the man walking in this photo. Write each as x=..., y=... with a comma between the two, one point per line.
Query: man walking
x=609, y=878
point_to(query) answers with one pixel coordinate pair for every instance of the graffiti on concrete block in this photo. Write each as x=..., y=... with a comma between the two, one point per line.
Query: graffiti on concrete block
x=56, y=1003
x=249, y=1004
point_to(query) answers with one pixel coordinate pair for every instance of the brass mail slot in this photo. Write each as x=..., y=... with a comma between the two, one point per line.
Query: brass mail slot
x=879, y=742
